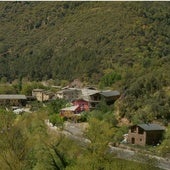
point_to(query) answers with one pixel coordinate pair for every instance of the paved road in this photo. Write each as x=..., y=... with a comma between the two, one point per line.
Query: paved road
x=136, y=156
x=74, y=131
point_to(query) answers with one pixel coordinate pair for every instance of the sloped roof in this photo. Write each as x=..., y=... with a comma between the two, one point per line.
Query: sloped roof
x=69, y=90
x=110, y=93
x=151, y=127
x=38, y=90
x=89, y=92
x=71, y=108
x=12, y=96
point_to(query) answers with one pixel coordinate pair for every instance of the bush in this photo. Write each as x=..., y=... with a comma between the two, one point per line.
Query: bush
x=56, y=120
x=109, y=78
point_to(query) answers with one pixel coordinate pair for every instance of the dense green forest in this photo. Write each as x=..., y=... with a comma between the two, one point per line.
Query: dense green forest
x=123, y=45
x=65, y=40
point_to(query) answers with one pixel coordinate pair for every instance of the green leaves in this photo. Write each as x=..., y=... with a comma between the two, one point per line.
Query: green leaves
x=55, y=106
x=109, y=79
x=50, y=40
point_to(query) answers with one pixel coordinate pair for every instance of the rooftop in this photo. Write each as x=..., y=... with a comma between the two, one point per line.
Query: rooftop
x=71, y=90
x=12, y=96
x=71, y=108
x=38, y=90
x=150, y=127
x=110, y=93
x=89, y=92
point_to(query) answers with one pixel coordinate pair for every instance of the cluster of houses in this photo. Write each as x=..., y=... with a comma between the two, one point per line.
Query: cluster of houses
x=81, y=99
x=85, y=99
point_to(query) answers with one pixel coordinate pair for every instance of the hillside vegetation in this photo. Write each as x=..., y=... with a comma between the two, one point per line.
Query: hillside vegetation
x=42, y=40
x=123, y=45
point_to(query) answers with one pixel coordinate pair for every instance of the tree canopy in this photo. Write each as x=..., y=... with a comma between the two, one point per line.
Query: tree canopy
x=65, y=40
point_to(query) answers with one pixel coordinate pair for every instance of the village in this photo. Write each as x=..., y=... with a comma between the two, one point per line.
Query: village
x=83, y=99
x=85, y=85
x=86, y=99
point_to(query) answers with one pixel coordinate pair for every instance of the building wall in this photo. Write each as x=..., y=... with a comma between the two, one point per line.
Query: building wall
x=71, y=94
x=41, y=95
x=111, y=100
x=38, y=95
x=83, y=105
x=13, y=102
x=135, y=138
x=95, y=97
x=67, y=113
x=47, y=97
x=153, y=137
x=59, y=95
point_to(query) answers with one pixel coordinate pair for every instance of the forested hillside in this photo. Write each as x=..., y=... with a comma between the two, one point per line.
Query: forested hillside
x=124, y=45
x=67, y=40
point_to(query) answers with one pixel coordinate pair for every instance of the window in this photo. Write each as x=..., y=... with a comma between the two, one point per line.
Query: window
x=133, y=129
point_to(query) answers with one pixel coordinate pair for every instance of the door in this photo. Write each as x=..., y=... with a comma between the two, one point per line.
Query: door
x=133, y=140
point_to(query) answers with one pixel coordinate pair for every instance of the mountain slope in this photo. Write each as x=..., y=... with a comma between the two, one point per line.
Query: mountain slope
x=123, y=45
x=64, y=40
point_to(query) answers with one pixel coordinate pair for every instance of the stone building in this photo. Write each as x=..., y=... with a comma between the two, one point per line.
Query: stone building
x=42, y=95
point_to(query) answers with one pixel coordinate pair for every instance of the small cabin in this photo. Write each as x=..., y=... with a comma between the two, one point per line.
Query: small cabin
x=110, y=96
x=145, y=134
